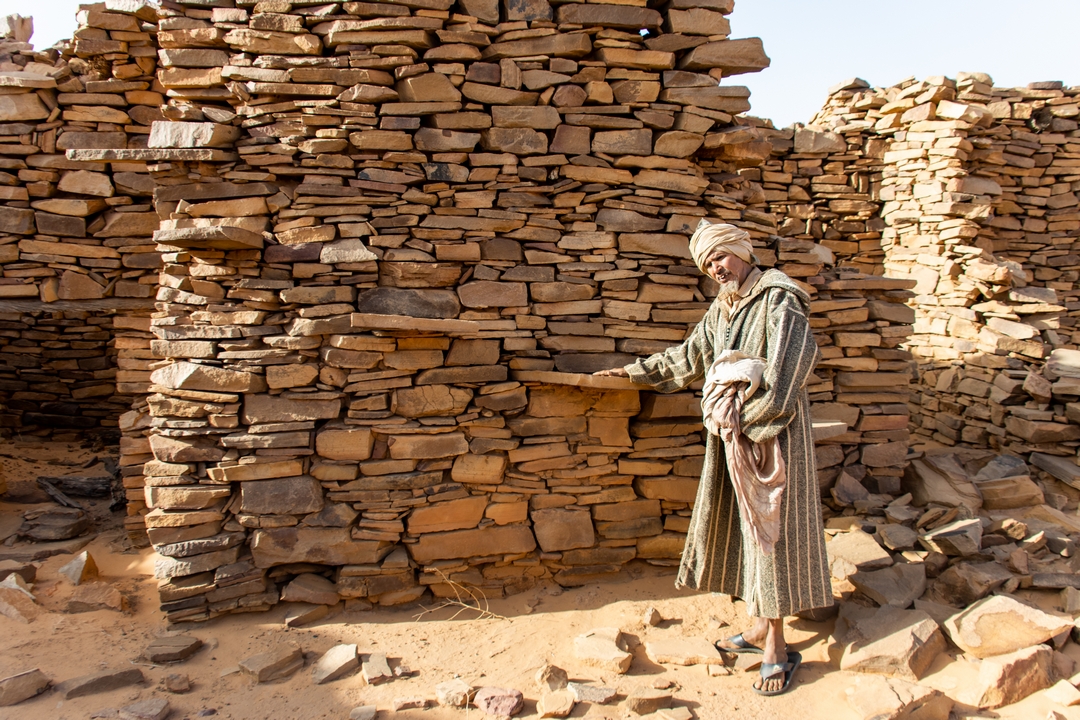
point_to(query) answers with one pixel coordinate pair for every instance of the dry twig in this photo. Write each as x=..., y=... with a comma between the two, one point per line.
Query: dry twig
x=472, y=602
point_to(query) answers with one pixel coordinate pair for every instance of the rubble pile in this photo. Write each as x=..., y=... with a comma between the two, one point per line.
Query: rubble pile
x=79, y=266
x=971, y=188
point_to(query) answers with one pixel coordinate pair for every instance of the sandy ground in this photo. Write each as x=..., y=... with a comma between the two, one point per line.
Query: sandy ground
x=439, y=644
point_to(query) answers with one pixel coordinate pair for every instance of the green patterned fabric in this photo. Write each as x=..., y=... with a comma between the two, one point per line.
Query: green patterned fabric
x=771, y=323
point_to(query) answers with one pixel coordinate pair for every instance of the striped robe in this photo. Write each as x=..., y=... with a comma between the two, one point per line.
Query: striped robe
x=771, y=323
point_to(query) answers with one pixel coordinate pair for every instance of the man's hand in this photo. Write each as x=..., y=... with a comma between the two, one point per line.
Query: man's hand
x=613, y=372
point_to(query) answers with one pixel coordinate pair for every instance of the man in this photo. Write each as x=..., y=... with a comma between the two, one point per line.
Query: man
x=764, y=315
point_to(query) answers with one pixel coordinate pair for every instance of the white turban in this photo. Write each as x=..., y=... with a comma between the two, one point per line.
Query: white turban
x=710, y=236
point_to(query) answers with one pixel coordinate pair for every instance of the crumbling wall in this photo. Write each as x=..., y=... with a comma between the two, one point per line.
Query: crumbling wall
x=79, y=268
x=972, y=189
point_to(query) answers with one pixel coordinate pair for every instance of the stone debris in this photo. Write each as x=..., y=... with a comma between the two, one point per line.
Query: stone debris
x=1009, y=678
x=898, y=586
x=16, y=582
x=376, y=669
x=336, y=662
x=363, y=712
x=54, y=523
x=177, y=683
x=149, y=709
x=22, y=686
x=592, y=694
x=454, y=693
x=886, y=698
x=550, y=677
x=683, y=651
x=91, y=596
x=275, y=664
x=27, y=571
x=603, y=648
x=645, y=700
x=300, y=615
x=172, y=648
x=556, y=704
x=99, y=682
x=408, y=703
x=651, y=617
x=898, y=643
x=311, y=589
x=81, y=569
x=499, y=702
x=1000, y=624
x=1063, y=692
x=18, y=606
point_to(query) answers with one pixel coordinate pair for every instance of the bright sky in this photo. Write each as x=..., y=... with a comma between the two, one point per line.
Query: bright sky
x=815, y=44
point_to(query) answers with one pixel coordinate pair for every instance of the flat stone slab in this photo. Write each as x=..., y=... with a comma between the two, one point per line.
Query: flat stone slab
x=99, y=682
x=376, y=669
x=363, y=712
x=404, y=322
x=556, y=704
x=859, y=549
x=92, y=596
x=683, y=651
x=149, y=709
x=172, y=648
x=874, y=696
x=188, y=154
x=336, y=662
x=999, y=624
x=454, y=693
x=897, y=586
x=304, y=614
x=645, y=700
x=582, y=380
x=499, y=702
x=593, y=694
x=603, y=648
x=25, y=685
x=276, y=664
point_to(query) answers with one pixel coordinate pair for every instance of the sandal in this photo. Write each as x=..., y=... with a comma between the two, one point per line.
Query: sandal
x=770, y=670
x=739, y=645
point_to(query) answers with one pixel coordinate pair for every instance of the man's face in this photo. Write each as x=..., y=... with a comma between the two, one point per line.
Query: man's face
x=726, y=269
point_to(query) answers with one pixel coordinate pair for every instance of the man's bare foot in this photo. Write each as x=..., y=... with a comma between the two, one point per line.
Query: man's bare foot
x=613, y=372
x=776, y=653
x=755, y=636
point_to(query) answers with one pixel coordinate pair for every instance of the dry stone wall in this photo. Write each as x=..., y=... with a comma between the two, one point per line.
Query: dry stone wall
x=969, y=191
x=79, y=264
x=393, y=239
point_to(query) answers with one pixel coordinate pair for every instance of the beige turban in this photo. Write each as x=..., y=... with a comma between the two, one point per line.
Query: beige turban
x=710, y=236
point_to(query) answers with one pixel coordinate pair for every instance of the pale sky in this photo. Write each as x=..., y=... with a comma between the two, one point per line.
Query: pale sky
x=815, y=44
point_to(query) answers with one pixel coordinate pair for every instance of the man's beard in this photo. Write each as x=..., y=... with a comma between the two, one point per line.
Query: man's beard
x=728, y=290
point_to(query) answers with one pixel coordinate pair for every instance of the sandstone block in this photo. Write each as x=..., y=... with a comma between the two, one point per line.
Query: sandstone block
x=22, y=686
x=1000, y=624
x=276, y=664
x=193, y=376
x=467, y=543
x=351, y=443
x=603, y=648
x=282, y=496
x=563, y=529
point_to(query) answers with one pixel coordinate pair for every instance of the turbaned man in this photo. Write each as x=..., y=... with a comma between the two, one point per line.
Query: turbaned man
x=761, y=316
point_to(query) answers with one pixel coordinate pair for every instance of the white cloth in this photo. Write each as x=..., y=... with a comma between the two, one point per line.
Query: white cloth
x=756, y=470
x=709, y=236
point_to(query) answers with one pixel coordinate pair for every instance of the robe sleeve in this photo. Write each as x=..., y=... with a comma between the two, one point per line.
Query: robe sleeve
x=791, y=353
x=676, y=367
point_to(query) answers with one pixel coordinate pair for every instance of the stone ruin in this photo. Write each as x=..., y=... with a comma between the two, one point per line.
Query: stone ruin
x=337, y=273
